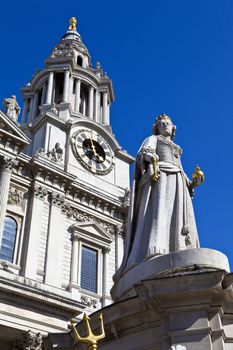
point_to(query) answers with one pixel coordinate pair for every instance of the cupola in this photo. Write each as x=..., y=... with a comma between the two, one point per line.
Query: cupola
x=69, y=87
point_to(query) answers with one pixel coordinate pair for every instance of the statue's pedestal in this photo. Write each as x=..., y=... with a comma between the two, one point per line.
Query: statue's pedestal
x=164, y=265
x=189, y=310
x=180, y=301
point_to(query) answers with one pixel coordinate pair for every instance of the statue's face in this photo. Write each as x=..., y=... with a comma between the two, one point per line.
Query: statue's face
x=164, y=127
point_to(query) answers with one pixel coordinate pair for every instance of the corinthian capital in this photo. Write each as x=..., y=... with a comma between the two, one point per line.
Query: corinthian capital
x=40, y=191
x=6, y=163
x=57, y=199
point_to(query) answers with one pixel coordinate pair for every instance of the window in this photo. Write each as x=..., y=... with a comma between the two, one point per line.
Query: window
x=59, y=82
x=8, y=239
x=89, y=269
x=79, y=61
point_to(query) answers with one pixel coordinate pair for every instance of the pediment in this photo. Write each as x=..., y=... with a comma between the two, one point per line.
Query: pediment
x=92, y=231
x=12, y=131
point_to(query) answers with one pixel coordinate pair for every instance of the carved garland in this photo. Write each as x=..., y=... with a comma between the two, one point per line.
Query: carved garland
x=59, y=200
x=84, y=217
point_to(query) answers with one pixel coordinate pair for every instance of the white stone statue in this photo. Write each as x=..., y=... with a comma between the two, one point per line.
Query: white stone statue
x=56, y=154
x=12, y=107
x=161, y=218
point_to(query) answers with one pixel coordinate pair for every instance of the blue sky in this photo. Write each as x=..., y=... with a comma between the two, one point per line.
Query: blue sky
x=163, y=56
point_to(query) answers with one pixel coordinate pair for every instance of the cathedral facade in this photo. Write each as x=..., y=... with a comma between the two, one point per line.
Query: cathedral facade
x=64, y=197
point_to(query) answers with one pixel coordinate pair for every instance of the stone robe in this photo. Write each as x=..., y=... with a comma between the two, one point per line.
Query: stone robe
x=161, y=218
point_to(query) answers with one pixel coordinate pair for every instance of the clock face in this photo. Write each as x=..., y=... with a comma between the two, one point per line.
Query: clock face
x=93, y=151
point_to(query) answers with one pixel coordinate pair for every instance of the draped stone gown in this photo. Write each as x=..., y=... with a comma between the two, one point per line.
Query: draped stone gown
x=161, y=218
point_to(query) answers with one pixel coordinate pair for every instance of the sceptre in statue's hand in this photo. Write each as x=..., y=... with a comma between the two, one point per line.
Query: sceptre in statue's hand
x=156, y=174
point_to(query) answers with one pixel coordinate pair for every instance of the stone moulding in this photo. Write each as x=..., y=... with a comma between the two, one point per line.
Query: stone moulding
x=163, y=265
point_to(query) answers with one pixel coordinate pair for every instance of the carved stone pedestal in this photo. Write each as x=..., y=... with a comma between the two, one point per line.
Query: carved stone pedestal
x=187, y=310
x=161, y=265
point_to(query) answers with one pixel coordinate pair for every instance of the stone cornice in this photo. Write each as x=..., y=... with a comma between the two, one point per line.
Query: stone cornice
x=122, y=154
x=53, y=177
x=35, y=295
x=42, y=170
x=47, y=116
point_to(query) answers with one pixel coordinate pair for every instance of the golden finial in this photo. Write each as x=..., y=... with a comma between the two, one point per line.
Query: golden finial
x=91, y=339
x=73, y=23
x=198, y=177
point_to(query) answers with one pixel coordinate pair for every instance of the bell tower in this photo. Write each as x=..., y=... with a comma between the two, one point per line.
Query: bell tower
x=71, y=180
x=69, y=86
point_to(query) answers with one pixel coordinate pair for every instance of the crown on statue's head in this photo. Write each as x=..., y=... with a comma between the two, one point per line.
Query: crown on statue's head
x=163, y=116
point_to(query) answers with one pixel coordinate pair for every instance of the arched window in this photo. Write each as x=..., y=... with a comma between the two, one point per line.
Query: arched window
x=8, y=239
x=79, y=61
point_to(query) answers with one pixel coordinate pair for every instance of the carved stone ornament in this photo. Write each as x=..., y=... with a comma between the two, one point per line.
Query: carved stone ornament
x=56, y=154
x=62, y=50
x=106, y=250
x=32, y=341
x=57, y=199
x=54, y=109
x=40, y=192
x=90, y=302
x=126, y=198
x=6, y=163
x=84, y=217
x=15, y=197
x=121, y=229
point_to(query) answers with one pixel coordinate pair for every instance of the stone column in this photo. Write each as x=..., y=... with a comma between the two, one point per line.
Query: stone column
x=97, y=107
x=66, y=86
x=30, y=109
x=84, y=106
x=90, y=102
x=5, y=176
x=25, y=111
x=43, y=97
x=55, y=243
x=50, y=88
x=105, y=108
x=77, y=94
x=74, y=260
x=105, y=251
x=34, y=221
x=35, y=105
x=117, y=230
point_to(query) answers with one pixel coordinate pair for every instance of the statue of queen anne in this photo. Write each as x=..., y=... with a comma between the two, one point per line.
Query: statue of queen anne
x=161, y=218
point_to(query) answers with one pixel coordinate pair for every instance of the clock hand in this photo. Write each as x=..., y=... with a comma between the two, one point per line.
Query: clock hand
x=92, y=145
x=98, y=156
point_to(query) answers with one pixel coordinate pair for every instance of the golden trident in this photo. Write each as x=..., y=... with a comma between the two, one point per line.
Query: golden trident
x=91, y=339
